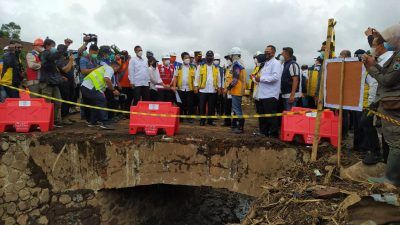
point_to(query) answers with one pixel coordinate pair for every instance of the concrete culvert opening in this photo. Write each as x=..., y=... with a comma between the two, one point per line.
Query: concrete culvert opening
x=171, y=204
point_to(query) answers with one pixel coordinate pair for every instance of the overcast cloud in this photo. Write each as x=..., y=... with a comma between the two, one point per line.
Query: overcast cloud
x=179, y=25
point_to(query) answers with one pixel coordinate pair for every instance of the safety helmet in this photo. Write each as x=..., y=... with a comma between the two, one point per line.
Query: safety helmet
x=166, y=56
x=217, y=56
x=38, y=42
x=236, y=51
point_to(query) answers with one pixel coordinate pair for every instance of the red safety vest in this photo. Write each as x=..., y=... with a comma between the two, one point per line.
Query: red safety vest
x=30, y=73
x=166, y=73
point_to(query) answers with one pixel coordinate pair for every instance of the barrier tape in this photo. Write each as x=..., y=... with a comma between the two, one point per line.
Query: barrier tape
x=382, y=116
x=160, y=115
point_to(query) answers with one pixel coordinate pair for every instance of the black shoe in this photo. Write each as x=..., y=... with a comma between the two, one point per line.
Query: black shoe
x=190, y=121
x=202, y=123
x=212, y=124
x=58, y=125
x=106, y=127
x=371, y=159
x=238, y=131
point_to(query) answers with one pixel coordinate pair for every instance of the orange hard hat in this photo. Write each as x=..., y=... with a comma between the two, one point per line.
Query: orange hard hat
x=38, y=42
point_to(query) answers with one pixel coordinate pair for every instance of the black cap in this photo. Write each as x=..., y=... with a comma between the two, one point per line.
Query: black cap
x=359, y=52
x=210, y=53
x=62, y=48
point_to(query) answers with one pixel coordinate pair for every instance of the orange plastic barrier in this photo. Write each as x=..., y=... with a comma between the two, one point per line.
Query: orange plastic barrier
x=25, y=114
x=151, y=125
x=304, y=125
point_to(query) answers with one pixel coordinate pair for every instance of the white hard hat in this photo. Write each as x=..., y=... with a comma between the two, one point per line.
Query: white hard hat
x=236, y=51
x=166, y=56
x=217, y=56
x=257, y=53
x=5, y=48
x=172, y=53
x=191, y=54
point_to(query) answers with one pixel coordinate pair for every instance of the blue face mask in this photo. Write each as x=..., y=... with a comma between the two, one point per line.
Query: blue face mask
x=53, y=50
x=388, y=46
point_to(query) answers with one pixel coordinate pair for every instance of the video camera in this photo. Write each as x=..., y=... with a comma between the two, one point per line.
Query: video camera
x=90, y=38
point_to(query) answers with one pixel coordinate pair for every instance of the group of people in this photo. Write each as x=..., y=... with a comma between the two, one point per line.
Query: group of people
x=106, y=77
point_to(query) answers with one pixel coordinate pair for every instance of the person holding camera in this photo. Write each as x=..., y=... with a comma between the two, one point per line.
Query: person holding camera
x=50, y=78
x=66, y=67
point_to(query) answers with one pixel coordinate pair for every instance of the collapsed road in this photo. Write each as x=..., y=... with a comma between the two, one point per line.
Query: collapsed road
x=85, y=176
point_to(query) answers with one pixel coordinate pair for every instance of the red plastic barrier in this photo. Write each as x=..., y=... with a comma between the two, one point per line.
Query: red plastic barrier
x=304, y=125
x=151, y=124
x=24, y=114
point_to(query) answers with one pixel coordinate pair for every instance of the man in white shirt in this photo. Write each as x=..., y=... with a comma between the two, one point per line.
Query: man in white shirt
x=93, y=87
x=139, y=76
x=268, y=92
x=208, y=83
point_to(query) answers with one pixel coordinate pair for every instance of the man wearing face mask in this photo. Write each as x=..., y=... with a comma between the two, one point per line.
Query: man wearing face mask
x=139, y=76
x=220, y=98
x=259, y=61
x=237, y=87
x=166, y=70
x=207, y=83
x=291, y=78
x=50, y=78
x=184, y=83
x=388, y=97
x=12, y=69
x=33, y=66
x=268, y=92
x=227, y=96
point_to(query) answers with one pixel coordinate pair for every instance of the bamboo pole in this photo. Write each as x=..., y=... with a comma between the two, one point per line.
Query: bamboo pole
x=339, y=149
x=314, y=153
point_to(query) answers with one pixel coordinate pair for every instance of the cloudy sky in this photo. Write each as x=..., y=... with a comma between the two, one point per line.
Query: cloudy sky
x=187, y=25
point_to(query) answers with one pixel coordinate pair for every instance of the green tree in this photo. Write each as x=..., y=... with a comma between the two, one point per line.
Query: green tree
x=10, y=30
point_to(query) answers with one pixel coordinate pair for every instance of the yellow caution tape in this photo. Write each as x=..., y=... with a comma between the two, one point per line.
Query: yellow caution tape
x=383, y=116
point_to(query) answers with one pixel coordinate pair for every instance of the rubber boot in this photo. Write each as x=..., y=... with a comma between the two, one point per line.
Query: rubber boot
x=240, y=128
x=392, y=174
x=234, y=123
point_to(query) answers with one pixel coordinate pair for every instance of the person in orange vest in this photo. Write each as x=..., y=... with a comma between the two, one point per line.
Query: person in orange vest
x=124, y=81
x=184, y=84
x=166, y=70
x=237, y=87
x=33, y=66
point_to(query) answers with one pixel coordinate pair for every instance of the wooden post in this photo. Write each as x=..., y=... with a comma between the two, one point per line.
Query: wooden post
x=331, y=25
x=339, y=149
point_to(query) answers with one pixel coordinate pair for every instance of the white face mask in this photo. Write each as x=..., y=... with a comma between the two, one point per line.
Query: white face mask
x=216, y=62
x=140, y=54
x=40, y=49
x=186, y=61
x=167, y=62
x=282, y=59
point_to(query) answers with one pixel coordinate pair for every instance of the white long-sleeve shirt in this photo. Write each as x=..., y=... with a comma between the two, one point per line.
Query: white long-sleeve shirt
x=373, y=87
x=270, y=80
x=209, y=88
x=155, y=78
x=139, y=72
x=185, y=77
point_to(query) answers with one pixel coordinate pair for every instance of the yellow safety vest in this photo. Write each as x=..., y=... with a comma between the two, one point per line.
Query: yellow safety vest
x=240, y=86
x=192, y=71
x=228, y=78
x=203, y=76
x=312, y=82
x=366, y=94
x=97, y=78
x=7, y=77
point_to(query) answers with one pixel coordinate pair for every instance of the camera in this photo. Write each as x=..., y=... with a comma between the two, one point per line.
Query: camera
x=90, y=38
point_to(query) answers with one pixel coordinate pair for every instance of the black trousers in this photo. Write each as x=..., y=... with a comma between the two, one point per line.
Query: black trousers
x=166, y=96
x=187, y=105
x=141, y=93
x=126, y=105
x=258, y=111
x=358, y=129
x=208, y=99
x=153, y=95
x=269, y=126
x=112, y=103
x=67, y=93
x=220, y=104
x=227, y=110
x=11, y=93
x=367, y=133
